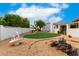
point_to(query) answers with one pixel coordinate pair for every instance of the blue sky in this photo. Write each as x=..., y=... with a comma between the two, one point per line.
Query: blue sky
x=52, y=12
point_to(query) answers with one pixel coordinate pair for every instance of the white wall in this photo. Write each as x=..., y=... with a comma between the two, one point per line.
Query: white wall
x=46, y=28
x=55, y=29
x=73, y=32
x=7, y=32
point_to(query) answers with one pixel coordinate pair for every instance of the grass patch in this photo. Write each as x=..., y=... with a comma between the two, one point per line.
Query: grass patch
x=39, y=35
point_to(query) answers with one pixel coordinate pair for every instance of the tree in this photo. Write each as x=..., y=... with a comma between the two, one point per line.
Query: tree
x=1, y=18
x=12, y=20
x=3, y=22
x=26, y=22
x=15, y=20
x=40, y=24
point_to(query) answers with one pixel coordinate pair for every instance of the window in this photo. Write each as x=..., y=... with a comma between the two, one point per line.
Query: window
x=75, y=25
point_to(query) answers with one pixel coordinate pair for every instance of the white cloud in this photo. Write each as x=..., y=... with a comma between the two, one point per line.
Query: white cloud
x=55, y=19
x=55, y=5
x=24, y=5
x=61, y=6
x=64, y=6
x=35, y=13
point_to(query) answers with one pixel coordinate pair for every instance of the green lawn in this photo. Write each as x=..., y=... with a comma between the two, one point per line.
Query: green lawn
x=40, y=35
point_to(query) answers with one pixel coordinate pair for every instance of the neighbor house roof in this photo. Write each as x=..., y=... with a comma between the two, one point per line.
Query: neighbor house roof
x=76, y=20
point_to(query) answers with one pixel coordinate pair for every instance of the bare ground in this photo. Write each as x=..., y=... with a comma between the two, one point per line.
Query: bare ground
x=35, y=47
x=29, y=47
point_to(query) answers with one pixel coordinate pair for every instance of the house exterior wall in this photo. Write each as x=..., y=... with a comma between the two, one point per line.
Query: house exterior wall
x=7, y=32
x=49, y=27
x=73, y=32
x=46, y=28
x=55, y=30
x=52, y=28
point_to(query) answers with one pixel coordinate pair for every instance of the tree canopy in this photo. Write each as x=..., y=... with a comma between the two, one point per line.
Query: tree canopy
x=14, y=20
x=40, y=24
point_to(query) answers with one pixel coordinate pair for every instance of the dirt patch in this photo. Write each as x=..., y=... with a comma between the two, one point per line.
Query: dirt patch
x=40, y=48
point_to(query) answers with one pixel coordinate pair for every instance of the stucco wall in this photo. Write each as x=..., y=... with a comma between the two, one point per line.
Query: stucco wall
x=73, y=32
x=7, y=32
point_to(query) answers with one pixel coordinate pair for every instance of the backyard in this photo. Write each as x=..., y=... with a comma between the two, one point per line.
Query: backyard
x=39, y=30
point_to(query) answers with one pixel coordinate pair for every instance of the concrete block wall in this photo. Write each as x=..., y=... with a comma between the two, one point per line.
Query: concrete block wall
x=7, y=32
